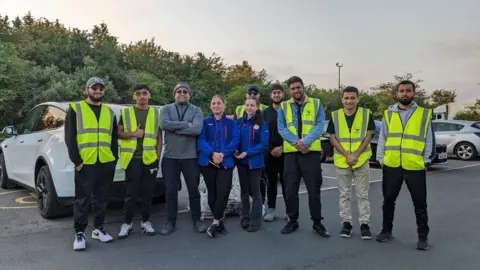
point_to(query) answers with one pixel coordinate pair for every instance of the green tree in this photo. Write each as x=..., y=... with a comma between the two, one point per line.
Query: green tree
x=442, y=96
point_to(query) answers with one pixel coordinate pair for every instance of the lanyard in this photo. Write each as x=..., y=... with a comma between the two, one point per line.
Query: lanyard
x=183, y=114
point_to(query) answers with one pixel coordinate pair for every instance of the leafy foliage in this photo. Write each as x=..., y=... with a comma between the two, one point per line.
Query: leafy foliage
x=42, y=60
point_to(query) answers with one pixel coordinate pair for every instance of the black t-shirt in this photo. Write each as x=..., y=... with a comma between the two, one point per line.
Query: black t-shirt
x=141, y=116
x=350, y=118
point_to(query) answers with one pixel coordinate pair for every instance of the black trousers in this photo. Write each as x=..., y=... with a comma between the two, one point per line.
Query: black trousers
x=263, y=185
x=274, y=168
x=140, y=181
x=171, y=169
x=92, y=186
x=308, y=167
x=250, y=187
x=416, y=181
x=219, y=184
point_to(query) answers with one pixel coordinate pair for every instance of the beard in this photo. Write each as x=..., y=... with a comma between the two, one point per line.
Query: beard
x=406, y=101
x=94, y=99
x=277, y=102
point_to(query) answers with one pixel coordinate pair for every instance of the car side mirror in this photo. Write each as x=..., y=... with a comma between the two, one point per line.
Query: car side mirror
x=9, y=131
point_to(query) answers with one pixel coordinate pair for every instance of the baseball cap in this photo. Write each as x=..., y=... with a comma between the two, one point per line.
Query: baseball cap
x=95, y=80
x=253, y=88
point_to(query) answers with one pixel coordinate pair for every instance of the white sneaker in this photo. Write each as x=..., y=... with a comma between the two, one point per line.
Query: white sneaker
x=80, y=242
x=102, y=235
x=125, y=231
x=147, y=228
x=271, y=215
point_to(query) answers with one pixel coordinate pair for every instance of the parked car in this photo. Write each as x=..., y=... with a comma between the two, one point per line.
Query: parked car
x=35, y=156
x=439, y=157
x=461, y=137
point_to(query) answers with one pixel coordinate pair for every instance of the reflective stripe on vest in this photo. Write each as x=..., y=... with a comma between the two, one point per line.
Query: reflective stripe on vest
x=351, y=141
x=309, y=119
x=128, y=146
x=241, y=109
x=405, y=147
x=94, y=137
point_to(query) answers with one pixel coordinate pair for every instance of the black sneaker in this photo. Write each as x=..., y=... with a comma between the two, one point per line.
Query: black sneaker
x=346, y=231
x=320, y=229
x=365, y=232
x=200, y=226
x=245, y=223
x=384, y=236
x=290, y=227
x=212, y=230
x=221, y=228
x=422, y=243
x=168, y=228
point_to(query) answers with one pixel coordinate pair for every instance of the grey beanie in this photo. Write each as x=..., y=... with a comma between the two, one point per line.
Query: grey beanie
x=182, y=85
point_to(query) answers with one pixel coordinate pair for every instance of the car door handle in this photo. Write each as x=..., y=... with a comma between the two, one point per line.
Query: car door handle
x=40, y=140
x=21, y=141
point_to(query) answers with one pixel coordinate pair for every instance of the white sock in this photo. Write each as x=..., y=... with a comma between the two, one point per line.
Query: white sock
x=216, y=222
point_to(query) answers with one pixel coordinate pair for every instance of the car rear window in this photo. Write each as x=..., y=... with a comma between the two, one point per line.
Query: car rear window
x=476, y=125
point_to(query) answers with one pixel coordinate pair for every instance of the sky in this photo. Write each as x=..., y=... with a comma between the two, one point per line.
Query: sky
x=437, y=40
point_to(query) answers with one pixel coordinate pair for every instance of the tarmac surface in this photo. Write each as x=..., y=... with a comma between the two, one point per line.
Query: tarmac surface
x=27, y=241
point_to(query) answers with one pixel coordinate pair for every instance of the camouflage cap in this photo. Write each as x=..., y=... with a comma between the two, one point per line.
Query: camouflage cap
x=95, y=80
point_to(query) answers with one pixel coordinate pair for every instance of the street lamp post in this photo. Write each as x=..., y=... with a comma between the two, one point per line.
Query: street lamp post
x=339, y=67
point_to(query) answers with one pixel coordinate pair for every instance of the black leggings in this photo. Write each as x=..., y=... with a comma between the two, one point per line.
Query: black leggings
x=219, y=184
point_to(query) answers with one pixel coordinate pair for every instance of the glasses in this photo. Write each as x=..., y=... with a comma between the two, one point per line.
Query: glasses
x=252, y=93
x=141, y=93
x=96, y=87
x=185, y=92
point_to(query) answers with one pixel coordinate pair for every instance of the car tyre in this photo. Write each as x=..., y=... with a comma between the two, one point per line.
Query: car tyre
x=5, y=182
x=48, y=204
x=463, y=147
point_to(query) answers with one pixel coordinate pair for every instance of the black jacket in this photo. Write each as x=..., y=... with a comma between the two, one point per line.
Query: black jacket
x=275, y=139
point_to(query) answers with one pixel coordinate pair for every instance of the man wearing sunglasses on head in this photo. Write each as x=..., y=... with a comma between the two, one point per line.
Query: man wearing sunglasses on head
x=140, y=148
x=92, y=143
x=254, y=91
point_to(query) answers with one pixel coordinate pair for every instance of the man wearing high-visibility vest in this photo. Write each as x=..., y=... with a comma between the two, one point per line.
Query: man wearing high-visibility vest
x=140, y=148
x=405, y=149
x=254, y=91
x=92, y=143
x=351, y=130
x=300, y=123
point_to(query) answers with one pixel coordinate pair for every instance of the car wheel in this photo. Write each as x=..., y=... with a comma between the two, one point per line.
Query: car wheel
x=48, y=204
x=465, y=151
x=5, y=182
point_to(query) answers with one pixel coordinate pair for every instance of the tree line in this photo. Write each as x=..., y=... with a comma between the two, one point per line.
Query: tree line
x=42, y=60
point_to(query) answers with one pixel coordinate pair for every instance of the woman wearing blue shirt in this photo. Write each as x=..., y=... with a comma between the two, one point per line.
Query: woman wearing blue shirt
x=253, y=142
x=217, y=142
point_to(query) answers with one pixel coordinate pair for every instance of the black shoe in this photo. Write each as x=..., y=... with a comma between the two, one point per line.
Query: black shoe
x=346, y=231
x=221, y=228
x=168, y=228
x=245, y=223
x=365, y=232
x=290, y=227
x=422, y=243
x=200, y=226
x=253, y=228
x=320, y=229
x=212, y=230
x=384, y=236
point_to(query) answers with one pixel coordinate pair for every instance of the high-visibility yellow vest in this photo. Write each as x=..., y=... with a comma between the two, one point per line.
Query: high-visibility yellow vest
x=309, y=118
x=405, y=146
x=351, y=139
x=241, y=109
x=128, y=146
x=94, y=138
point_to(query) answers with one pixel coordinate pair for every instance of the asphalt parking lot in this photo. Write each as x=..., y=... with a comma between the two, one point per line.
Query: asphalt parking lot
x=27, y=241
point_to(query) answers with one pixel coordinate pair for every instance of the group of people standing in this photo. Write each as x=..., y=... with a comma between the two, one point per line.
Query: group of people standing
x=267, y=145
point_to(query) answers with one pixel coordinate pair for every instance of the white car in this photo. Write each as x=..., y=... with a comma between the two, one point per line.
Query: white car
x=35, y=156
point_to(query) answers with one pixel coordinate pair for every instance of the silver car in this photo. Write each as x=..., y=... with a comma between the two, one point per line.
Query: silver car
x=461, y=137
